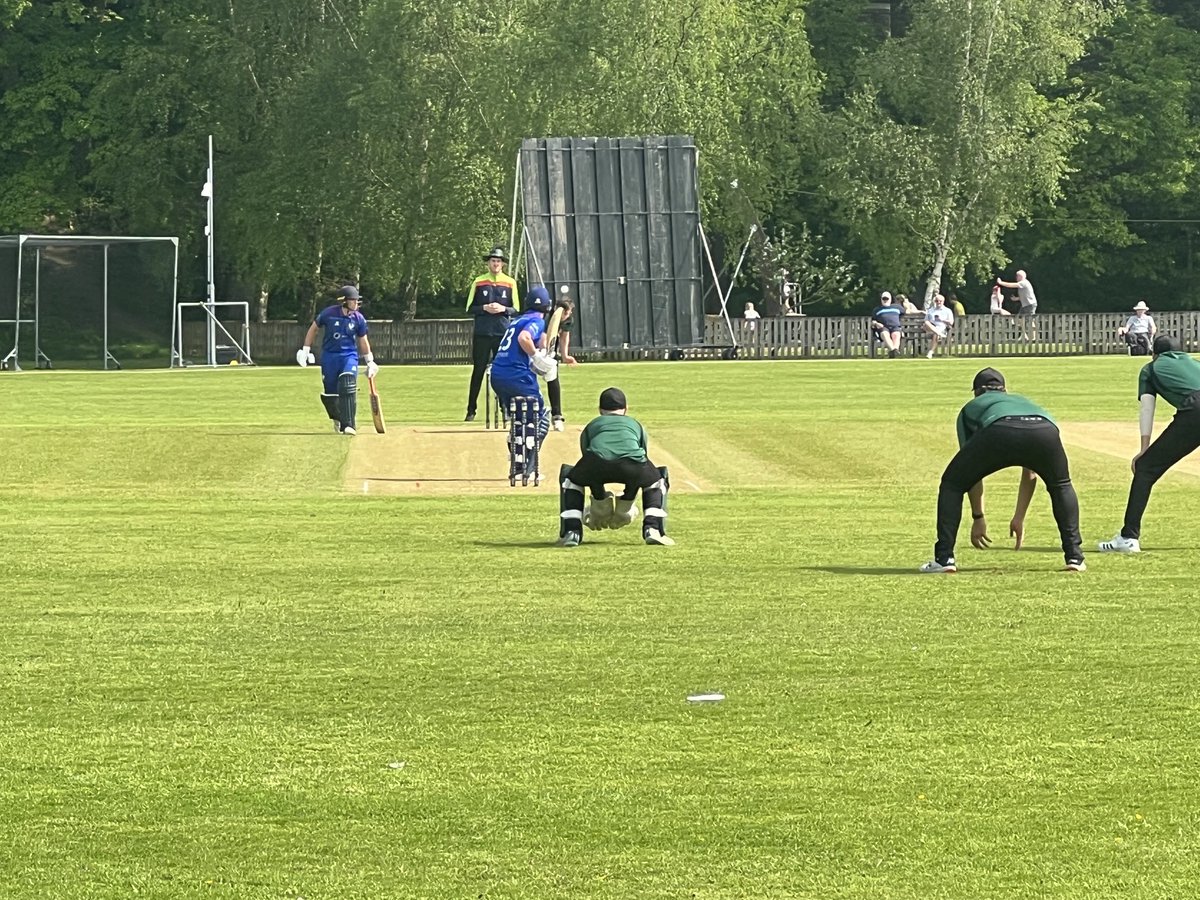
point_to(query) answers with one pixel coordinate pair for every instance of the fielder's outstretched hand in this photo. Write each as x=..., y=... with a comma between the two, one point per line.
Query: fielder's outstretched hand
x=1016, y=529
x=979, y=535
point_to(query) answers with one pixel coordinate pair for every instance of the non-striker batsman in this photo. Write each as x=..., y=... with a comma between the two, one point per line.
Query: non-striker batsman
x=344, y=339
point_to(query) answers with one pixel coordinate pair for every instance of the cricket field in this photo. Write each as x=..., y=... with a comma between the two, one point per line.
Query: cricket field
x=244, y=657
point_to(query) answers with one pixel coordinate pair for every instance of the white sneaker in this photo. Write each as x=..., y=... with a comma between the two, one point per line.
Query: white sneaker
x=559, y=423
x=349, y=430
x=933, y=567
x=1075, y=565
x=929, y=355
x=653, y=536
x=570, y=539
x=624, y=514
x=1120, y=545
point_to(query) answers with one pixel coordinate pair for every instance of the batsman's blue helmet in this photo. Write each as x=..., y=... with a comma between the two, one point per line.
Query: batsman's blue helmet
x=539, y=299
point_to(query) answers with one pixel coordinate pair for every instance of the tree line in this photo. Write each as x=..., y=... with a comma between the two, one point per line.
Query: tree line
x=376, y=140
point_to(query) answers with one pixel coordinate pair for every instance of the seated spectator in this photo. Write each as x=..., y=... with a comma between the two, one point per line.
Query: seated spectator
x=907, y=307
x=1139, y=330
x=938, y=319
x=997, y=302
x=885, y=324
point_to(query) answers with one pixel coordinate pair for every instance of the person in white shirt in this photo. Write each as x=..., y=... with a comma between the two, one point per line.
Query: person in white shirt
x=1029, y=302
x=1139, y=330
x=997, y=302
x=751, y=315
x=938, y=319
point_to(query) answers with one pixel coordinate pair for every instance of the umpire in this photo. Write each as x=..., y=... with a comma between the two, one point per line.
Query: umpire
x=997, y=430
x=493, y=301
x=1174, y=376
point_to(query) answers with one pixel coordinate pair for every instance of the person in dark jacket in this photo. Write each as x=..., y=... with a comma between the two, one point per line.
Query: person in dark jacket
x=493, y=301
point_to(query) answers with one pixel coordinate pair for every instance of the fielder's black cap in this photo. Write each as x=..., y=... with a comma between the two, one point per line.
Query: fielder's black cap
x=497, y=253
x=612, y=399
x=348, y=292
x=1165, y=343
x=988, y=379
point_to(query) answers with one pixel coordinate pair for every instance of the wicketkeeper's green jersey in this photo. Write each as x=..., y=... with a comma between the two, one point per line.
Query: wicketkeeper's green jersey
x=992, y=405
x=1174, y=376
x=614, y=437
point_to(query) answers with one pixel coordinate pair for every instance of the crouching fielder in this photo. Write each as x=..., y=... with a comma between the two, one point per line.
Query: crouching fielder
x=614, y=446
x=345, y=338
x=997, y=430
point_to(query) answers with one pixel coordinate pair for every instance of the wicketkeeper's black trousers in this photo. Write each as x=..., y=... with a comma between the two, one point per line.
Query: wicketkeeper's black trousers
x=1179, y=439
x=1028, y=441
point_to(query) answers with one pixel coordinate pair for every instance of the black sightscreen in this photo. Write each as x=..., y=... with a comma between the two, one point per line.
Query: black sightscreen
x=618, y=220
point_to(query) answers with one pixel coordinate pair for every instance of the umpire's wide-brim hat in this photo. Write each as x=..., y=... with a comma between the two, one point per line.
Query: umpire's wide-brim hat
x=497, y=253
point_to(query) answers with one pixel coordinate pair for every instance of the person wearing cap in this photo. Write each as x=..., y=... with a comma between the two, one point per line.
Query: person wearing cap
x=885, y=323
x=997, y=430
x=615, y=451
x=345, y=337
x=520, y=358
x=561, y=351
x=1174, y=376
x=1139, y=330
x=493, y=300
x=1028, y=311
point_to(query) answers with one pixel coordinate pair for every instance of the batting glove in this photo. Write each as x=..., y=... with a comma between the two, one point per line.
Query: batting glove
x=372, y=367
x=304, y=356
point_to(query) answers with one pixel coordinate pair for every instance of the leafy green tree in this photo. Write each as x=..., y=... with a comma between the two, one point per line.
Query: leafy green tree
x=1120, y=230
x=955, y=136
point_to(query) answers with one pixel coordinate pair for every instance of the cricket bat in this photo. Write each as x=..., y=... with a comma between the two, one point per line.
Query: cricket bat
x=376, y=409
x=552, y=330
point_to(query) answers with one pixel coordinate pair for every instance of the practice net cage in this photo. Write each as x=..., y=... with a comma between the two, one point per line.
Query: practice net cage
x=76, y=301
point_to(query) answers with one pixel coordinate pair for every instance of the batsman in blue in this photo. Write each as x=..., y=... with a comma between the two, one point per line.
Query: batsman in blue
x=345, y=338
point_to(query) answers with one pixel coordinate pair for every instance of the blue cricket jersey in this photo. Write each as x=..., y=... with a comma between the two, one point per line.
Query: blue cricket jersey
x=342, y=330
x=511, y=361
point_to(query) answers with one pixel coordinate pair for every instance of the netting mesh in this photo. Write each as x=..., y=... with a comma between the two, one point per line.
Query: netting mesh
x=63, y=288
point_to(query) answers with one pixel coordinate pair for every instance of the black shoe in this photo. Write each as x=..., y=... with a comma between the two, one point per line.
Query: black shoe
x=470, y=417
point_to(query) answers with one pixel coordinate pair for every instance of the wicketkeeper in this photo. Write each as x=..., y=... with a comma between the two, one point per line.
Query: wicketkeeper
x=614, y=446
x=345, y=338
x=997, y=430
x=1174, y=376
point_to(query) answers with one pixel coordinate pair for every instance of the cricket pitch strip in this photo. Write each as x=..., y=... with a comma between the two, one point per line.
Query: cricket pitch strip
x=466, y=459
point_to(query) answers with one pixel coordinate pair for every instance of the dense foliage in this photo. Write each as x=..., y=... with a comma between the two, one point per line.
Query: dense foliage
x=376, y=140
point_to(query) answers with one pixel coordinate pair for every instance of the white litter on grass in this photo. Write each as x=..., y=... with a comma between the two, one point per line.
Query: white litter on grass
x=396, y=764
x=705, y=698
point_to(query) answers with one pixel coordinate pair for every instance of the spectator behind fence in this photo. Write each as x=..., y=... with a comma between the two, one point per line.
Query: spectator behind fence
x=751, y=316
x=1029, y=303
x=1139, y=330
x=907, y=307
x=956, y=305
x=997, y=302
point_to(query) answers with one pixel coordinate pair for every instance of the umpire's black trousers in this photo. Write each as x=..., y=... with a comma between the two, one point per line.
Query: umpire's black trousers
x=1028, y=441
x=483, y=350
x=1179, y=439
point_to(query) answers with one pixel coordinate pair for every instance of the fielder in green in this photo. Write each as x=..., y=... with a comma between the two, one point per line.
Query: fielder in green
x=614, y=446
x=1174, y=376
x=997, y=430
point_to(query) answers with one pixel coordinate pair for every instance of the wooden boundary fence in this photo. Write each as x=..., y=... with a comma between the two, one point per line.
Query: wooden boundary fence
x=425, y=341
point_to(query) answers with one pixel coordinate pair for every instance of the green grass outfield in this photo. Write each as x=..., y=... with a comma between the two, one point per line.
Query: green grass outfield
x=222, y=675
